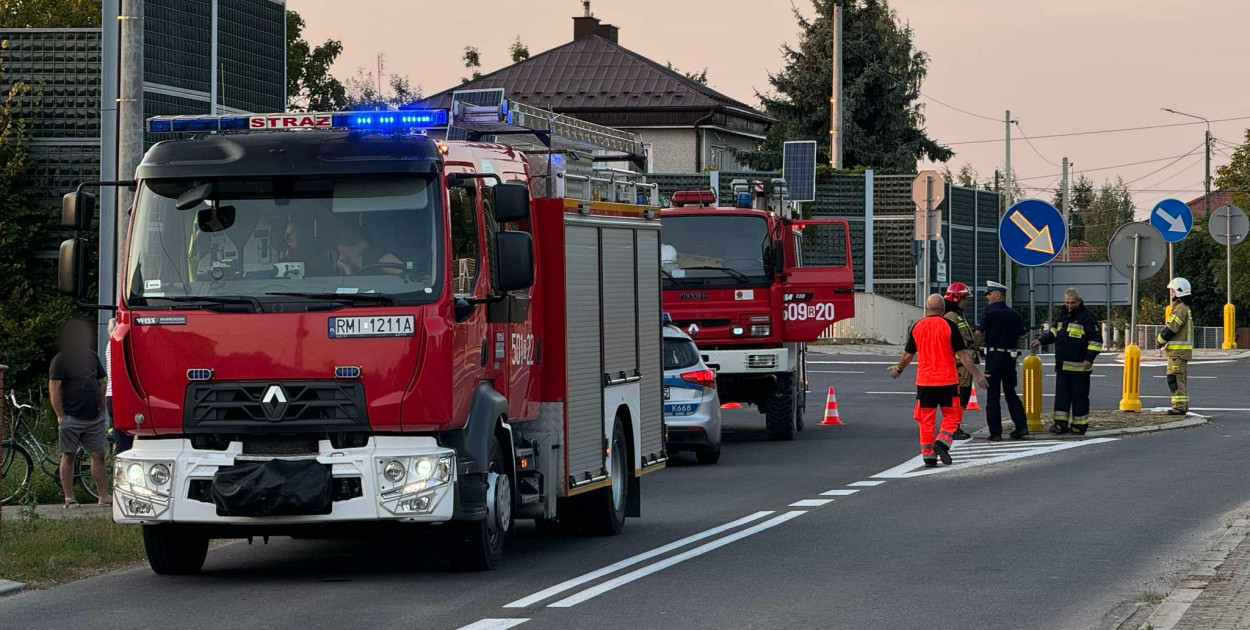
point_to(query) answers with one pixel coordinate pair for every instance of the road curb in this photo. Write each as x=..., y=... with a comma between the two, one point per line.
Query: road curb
x=9, y=587
x=1177, y=603
x=1194, y=420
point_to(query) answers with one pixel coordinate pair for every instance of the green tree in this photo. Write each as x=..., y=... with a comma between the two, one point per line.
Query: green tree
x=309, y=85
x=362, y=91
x=883, y=119
x=472, y=58
x=1110, y=208
x=519, y=51
x=50, y=13
x=31, y=312
x=1080, y=199
x=698, y=77
x=1234, y=176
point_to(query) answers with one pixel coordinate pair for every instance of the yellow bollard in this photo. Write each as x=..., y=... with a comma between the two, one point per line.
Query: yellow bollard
x=1131, y=401
x=1033, y=392
x=1230, y=326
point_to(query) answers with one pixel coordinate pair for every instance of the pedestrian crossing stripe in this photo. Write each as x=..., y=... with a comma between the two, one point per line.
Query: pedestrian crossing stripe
x=967, y=454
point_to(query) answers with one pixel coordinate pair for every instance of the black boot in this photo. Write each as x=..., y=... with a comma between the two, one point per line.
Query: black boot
x=930, y=463
x=943, y=452
x=960, y=434
x=1059, y=429
x=1080, y=429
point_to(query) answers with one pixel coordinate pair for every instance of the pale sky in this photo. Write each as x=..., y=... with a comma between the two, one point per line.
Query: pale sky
x=1060, y=66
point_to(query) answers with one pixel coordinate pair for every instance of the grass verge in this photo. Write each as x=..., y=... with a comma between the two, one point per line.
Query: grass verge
x=45, y=552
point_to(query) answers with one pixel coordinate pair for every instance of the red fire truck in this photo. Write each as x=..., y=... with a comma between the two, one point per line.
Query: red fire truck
x=334, y=322
x=743, y=280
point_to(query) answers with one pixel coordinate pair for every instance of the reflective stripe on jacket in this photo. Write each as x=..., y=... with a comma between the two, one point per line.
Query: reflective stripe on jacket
x=1077, y=336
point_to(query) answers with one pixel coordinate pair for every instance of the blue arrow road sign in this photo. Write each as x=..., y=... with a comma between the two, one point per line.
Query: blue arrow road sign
x=1032, y=232
x=1173, y=219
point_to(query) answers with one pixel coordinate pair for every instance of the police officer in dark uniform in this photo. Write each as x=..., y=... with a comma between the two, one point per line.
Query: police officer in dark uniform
x=999, y=330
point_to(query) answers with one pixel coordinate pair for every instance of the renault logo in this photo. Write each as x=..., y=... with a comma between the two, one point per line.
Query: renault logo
x=274, y=402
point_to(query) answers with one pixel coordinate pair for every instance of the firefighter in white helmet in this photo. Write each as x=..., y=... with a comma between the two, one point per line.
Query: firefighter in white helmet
x=1177, y=341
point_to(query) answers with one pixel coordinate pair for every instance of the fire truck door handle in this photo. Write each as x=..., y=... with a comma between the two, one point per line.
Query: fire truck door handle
x=484, y=352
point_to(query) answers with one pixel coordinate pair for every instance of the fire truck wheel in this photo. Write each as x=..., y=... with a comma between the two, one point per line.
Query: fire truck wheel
x=604, y=509
x=173, y=550
x=479, y=544
x=781, y=413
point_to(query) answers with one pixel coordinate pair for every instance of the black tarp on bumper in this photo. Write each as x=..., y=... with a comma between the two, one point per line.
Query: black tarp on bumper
x=277, y=487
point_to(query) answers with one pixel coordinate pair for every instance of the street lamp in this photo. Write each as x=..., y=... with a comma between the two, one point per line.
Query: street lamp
x=1230, y=311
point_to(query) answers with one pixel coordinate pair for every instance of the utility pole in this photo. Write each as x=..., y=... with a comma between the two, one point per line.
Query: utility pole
x=835, y=99
x=129, y=111
x=108, y=164
x=1067, y=221
x=381, y=66
x=1007, y=198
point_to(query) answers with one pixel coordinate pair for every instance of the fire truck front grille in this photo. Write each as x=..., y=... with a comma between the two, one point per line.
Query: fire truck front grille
x=701, y=323
x=761, y=361
x=275, y=407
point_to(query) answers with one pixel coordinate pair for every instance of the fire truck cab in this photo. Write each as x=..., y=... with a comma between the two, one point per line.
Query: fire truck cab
x=754, y=284
x=332, y=323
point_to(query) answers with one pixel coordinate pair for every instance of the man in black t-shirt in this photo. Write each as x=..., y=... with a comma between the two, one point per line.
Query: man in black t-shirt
x=76, y=385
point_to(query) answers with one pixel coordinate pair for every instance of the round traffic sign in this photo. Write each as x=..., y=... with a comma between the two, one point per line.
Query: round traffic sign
x=1228, y=220
x=1152, y=250
x=1173, y=219
x=940, y=249
x=1032, y=232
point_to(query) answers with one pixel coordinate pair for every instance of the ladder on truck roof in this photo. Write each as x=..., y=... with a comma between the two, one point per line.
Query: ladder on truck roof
x=486, y=115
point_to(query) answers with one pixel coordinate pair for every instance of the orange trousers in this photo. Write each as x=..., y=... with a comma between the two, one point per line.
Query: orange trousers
x=930, y=432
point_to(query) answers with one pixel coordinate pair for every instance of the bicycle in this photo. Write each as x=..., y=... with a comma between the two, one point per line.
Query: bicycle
x=17, y=464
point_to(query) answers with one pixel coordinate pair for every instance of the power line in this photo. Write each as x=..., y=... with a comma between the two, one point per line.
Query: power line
x=962, y=111
x=1030, y=142
x=1107, y=168
x=1165, y=166
x=1180, y=172
x=1102, y=131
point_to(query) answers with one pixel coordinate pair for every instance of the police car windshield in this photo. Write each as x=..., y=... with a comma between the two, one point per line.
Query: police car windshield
x=300, y=237
x=710, y=247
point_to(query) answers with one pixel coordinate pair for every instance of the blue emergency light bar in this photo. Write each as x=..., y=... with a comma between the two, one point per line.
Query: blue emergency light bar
x=376, y=121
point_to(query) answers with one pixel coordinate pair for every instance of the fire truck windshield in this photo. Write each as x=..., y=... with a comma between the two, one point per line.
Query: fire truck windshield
x=714, y=249
x=285, y=239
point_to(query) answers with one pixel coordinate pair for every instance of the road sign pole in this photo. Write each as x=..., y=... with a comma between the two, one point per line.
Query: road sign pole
x=1131, y=398
x=1032, y=307
x=1230, y=311
x=928, y=236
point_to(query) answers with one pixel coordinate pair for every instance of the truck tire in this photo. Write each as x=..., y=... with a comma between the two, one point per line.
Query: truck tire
x=604, y=510
x=173, y=550
x=478, y=545
x=781, y=413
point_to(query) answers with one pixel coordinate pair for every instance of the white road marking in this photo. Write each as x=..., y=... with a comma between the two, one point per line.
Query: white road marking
x=811, y=503
x=838, y=493
x=612, y=568
x=1191, y=377
x=1164, y=409
x=865, y=484
x=668, y=562
x=915, y=467
x=494, y=624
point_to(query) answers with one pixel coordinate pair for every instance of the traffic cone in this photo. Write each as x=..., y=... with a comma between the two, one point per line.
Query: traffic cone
x=973, y=405
x=831, y=409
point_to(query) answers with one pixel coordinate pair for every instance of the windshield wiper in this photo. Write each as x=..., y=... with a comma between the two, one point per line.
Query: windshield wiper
x=352, y=298
x=734, y=273
x=670, y=276
x=208, y=301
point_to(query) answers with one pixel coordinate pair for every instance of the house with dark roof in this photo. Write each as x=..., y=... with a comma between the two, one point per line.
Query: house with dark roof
x=1219, y=197
x=685, y=125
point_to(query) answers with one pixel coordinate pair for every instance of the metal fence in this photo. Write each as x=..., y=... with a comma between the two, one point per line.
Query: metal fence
x=1204, y=336
x=969, y=228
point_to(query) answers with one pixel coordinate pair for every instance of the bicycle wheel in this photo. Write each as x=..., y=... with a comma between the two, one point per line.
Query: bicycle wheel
x=15, y=470
x=82, y=469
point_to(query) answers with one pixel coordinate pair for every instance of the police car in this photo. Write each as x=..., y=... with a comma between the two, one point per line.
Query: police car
x=691, y=406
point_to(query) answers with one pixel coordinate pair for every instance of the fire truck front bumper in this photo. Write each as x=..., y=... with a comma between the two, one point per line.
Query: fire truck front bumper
x=403, y=479
x=753, y=361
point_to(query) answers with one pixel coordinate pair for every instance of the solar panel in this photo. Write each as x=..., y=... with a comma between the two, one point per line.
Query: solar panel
x=799, y=170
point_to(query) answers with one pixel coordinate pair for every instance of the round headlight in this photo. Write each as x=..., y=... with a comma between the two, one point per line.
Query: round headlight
x=423, y=468
x=134, y=474
x=158, y=474
x=393, y=471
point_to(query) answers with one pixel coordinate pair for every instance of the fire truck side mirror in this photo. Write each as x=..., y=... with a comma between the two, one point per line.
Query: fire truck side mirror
x=512, y=202
x=77, y=208
x=516, y=260
x=72, y=268
x=779, y=257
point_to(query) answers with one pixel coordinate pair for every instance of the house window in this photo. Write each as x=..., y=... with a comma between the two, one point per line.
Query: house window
x=648, y=151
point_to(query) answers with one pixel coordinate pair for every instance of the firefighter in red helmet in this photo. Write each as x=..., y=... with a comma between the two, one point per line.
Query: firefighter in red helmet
x=957, y=295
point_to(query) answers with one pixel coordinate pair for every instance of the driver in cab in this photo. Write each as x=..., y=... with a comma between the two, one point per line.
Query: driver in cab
x=356, y=256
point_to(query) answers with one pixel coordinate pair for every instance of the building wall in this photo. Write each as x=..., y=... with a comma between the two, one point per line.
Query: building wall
x=670, y=150
x=719, y=148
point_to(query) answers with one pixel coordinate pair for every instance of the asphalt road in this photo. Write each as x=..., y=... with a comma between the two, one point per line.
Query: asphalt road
x=1014, y=536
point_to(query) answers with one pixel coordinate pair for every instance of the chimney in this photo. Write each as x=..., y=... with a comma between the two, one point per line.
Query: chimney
x=586, y=25
x=608, y=32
